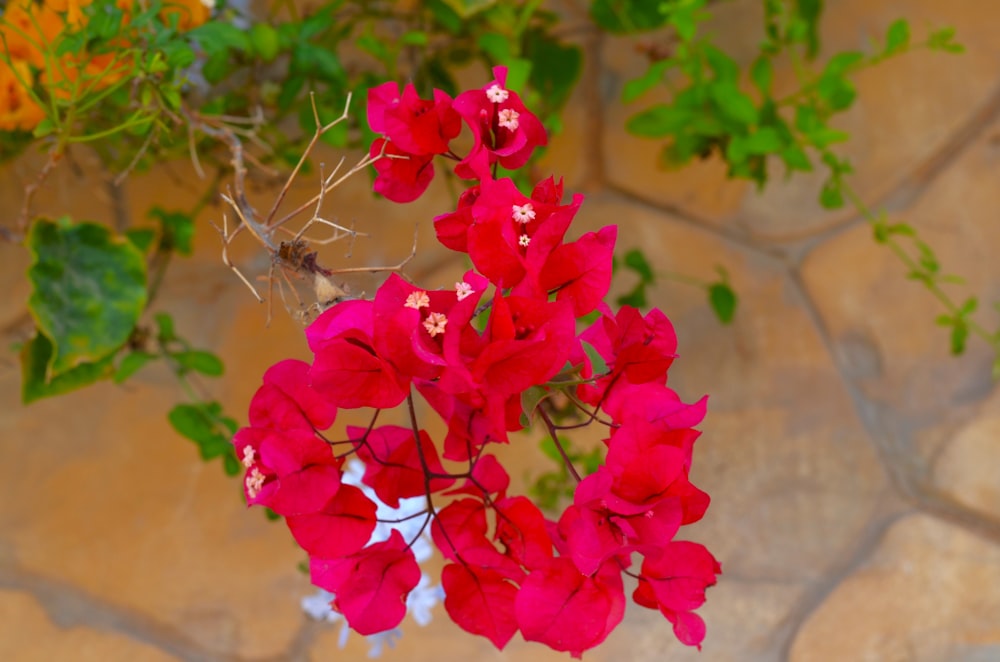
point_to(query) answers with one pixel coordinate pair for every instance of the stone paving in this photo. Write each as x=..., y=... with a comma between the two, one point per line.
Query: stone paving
x=854, y=465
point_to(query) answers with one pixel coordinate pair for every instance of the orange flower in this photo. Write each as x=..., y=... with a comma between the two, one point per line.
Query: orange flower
x=18, y=111
x=28, y=30
x=191, y=13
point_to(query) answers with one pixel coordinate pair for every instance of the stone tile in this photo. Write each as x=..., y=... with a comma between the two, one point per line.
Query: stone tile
x=110, y=500
x=700, y=189
x=29, y=635
x=921, y=596
x=907, y=108
x=783, y=454
x=882, y=323
x=966, y=468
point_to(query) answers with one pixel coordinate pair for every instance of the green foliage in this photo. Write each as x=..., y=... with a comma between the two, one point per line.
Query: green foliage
x=206, y=425
x=721, y=297
x=88, y=290
x=714, y=113
x=37, y=381
x=549, y=488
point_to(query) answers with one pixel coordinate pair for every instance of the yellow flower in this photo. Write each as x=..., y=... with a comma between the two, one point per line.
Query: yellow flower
x=18, y=111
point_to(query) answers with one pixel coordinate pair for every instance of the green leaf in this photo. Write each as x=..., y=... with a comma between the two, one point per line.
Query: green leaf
x=414, y=38
x=530, y=400
x=831, y=196
x=959, y=334
x=44, y=128
x=658, y=121
x=968, y=307
x=445, y=16
x=627, y=16
x=36, y=382
x=467, y=8
x=897, y=38
x=555, y=67
x=179, y=55
x=762, y=74
x=495, y=45
x=204, y=424
x=177, y=230
x=810, y=11
x=200, y=361
x=637, y=262
x=220, y=36
x=141, y=238
x=165, y=328
x=795, y=158
x=89, y=288
x=764, y=141
x=633, y=89
x=636, y=298
x=734, y=104
x=944, y=40
x=131, y=364
x=597, y=361
x=548, y=447
x=265, y=41
x=723, y=300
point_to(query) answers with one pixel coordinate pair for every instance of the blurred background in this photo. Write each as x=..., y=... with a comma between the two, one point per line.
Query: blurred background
x=852, y=461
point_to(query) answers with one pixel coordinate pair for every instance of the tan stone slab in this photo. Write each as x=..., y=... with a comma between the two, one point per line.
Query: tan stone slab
x=967, y=468
x=788, y=465
x=925, y=594
x=28, y=635
x=906, y=110
x=106, y=498
x=883, y=323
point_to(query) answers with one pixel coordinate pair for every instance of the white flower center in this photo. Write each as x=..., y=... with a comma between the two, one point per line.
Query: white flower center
x=508, y=119
x=255, y=481
x=418, y=300
x=524, y=240
x=435, y=323
x=248, y=456
x=462, y=290
x=523, y=213
x=497, y=94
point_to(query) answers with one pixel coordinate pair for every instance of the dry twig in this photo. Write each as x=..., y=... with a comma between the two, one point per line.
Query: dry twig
x=291, y=258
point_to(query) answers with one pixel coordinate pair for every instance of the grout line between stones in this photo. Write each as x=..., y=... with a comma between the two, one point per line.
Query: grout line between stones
x=68, y=606
x=784, y=634
x=907, y=474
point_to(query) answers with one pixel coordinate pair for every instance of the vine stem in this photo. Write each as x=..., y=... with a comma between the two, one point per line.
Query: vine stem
x=555, y=438
x=943, y=298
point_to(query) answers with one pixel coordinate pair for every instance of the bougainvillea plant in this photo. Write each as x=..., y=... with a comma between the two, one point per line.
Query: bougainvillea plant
x=508, y=567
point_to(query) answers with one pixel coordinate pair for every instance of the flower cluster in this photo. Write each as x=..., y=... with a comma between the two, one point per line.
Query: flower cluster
x=508, y=568
x=31, y=35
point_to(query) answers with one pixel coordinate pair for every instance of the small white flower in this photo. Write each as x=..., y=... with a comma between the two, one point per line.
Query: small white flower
x=462, y=290
x=317, y=606
x=524, y=240
x=497, y=94
x=435, y=323
x=417, y=300
x=378, y=640
x=523, y=213
x=421, y=599
x=248, y=456
x=254, y=482
x=508, y=119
